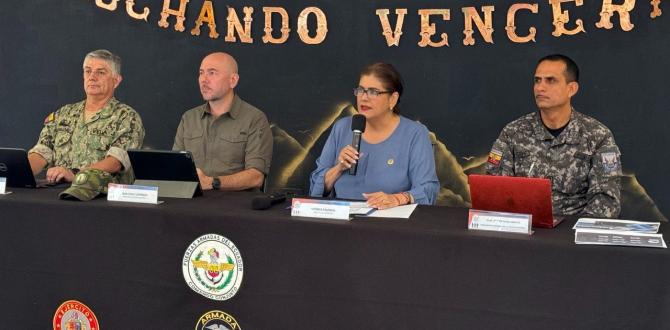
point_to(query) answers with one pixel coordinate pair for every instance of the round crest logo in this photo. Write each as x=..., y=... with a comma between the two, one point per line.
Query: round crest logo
x=212, y=267
x=217, y=320
x=74, y=315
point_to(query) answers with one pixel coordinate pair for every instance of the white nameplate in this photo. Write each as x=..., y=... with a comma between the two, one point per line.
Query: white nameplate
x=500, y=221
x=315, y=208
x=3, y=185
x=621, y=238
x=132, y=193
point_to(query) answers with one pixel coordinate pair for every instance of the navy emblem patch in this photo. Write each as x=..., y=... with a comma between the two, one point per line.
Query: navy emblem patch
x=217, y=320
x=611, y=162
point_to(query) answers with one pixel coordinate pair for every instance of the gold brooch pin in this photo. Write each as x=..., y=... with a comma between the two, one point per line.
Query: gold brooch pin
x=389, y=162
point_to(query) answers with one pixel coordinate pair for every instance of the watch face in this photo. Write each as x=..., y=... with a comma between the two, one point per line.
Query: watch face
x=216, y=183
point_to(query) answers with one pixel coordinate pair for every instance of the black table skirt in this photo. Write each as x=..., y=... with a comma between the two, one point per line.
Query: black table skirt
x=428, y=272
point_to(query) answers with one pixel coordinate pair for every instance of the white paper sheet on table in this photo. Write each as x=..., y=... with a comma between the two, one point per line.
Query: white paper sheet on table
x=359, y=208
x=403, y=211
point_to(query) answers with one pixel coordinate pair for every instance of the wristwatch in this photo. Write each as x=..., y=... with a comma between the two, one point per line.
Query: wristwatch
x=216, y=183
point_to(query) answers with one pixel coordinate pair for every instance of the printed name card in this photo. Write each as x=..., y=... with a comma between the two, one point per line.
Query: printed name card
x=500, y=221
x=3, y=185
x=132, y=193
x=315, y=208
x=621, y=238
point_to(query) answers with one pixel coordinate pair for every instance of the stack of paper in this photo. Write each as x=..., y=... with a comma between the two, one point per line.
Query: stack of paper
x=402, y=211
x=618, y=232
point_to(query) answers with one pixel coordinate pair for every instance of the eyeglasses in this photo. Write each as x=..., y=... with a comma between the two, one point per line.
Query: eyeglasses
x=371, y=92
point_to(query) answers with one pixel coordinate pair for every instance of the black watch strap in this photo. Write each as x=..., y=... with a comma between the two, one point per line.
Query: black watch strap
x=74, y=171
x=216, y=183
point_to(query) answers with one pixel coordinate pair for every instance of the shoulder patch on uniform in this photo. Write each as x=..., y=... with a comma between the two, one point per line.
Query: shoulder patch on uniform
x=494, y=157
x=611, y=163
x=50, y=117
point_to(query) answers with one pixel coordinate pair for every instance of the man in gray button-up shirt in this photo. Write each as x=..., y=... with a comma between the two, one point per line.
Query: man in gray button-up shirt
x=230, y=140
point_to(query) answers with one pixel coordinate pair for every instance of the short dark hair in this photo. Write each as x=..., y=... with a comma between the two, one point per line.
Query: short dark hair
x=389, y=76
x=571, y=68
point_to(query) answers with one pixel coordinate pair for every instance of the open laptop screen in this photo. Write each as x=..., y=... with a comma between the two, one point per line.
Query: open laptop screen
x=15, y=167
x=165, y=166
x=513, y=194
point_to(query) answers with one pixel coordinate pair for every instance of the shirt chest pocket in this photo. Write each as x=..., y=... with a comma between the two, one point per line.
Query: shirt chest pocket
x=194, y=143
x=582, y=161
x=100, y=138
x=230, y=149
x=524, y=164
x=574, y=173
x=63, y=136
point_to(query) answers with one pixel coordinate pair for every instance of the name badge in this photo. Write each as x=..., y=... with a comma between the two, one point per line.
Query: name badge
x=132, y=193
x=500, y=221
x=3, y=185
x=314, y=208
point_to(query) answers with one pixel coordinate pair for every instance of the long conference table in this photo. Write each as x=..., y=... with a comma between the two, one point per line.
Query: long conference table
x=124, y=261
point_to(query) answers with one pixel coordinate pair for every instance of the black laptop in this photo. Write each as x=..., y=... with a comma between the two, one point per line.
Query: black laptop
x=173, y=172
x=15, y=167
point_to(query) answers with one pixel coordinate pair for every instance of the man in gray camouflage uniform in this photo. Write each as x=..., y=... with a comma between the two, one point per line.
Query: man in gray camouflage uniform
x=576, y=152
x=92, y=134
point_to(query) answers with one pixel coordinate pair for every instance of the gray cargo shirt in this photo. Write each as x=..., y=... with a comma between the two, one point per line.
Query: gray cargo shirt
x=583, y=162
x=240, y=139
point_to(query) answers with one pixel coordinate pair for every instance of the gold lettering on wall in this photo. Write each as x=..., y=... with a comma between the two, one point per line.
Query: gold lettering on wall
x=562, y=17
x=167, y=12
x=428, y=28
x=235, y=26
x=608, y=10
x=511, y=23
x=485, y=27
x=656, y=10
x=321, y=26
x=267, y=37
x=206, y=15
x=109, y=6
x=392, y=36
x=132, y=13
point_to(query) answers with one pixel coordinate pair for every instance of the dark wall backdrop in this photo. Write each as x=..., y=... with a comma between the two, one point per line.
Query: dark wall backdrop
x=464, y=94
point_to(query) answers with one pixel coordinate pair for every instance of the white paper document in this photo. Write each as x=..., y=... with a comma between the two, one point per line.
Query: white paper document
x=621, y=238
x=618, y=225
x=360, y=208
x=402, y=211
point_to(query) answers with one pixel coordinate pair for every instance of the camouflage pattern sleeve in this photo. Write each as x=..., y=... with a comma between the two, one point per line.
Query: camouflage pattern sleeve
x=604, y=194
x=45, y=142
x=129, y=135
x=501, y=159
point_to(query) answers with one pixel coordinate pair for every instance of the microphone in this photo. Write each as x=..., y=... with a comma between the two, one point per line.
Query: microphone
x=264, y=202
x=358, y=127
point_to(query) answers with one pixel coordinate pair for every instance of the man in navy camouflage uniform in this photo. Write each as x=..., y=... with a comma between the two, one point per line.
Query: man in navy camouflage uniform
x=576, y=152
x=93, y=134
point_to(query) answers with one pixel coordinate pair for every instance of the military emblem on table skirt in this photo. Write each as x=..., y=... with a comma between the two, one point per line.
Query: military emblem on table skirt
x=73, y=315
x=212, y=267
x=217, y=320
